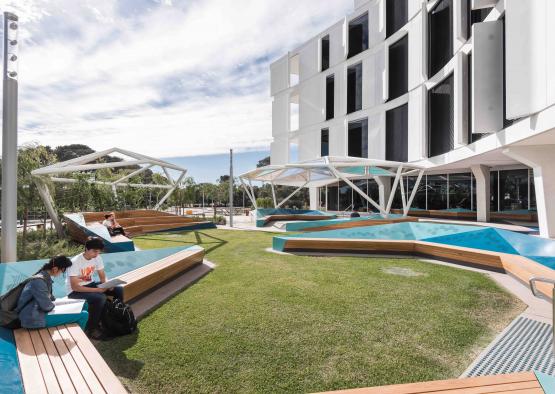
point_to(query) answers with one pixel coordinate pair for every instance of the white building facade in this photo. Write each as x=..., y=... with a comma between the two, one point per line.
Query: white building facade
x=464, y=87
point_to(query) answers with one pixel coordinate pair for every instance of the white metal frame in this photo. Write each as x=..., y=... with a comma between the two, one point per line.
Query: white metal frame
x=83, y=163
x=329, y=169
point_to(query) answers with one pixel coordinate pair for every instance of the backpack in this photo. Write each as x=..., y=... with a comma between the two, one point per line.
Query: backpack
x=9, y=318
x=118, y=318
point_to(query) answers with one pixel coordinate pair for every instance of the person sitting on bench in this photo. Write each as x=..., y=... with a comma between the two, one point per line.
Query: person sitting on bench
x=80, y=283
x=110, y=222
x=36, y=299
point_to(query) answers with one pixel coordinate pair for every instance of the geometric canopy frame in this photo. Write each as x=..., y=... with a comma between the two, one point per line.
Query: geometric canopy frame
x=86, y=163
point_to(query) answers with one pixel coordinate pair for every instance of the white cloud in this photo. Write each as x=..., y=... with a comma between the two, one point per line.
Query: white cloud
x=163, y=77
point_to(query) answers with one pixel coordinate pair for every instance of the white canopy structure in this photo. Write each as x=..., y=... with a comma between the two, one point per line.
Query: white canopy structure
x=329, y=169
x=89, y=162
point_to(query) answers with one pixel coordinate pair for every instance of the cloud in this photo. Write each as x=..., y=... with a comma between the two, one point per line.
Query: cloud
x=162, y=77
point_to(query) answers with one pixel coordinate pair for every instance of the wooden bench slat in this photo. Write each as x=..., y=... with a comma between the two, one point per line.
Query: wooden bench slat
x=71, y=367
x=58, y=366
x=160, y=264
x=28, y=363
x=86, y=370
x=46, y=368
x=447, y=386
x=105, y=375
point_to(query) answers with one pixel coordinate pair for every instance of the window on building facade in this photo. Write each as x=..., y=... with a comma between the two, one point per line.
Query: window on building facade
x=396, y=134
x=476, y=16
x=399, y=67
x=322, y=197
x=460, y=191
x=396, y=15
x=330, y=94
x=441, y=118
x=345, y=196
x=332, y=198
x=437, y=192
x=440, y=36
x=358, y=138
x=513, y=190
x=360, y=202
x=419, y=201
x=325, y=46
x=325, y=142
x=354, y=88
x=494, y=191
x=358, y=35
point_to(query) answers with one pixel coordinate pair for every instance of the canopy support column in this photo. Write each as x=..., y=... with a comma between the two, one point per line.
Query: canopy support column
x=251, y=196
x=292, y=194
x=169, y=193
x=394, y=189
x=274, y=194
x=44, y=193
x=413, y=193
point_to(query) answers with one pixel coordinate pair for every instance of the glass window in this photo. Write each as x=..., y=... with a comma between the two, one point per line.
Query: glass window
x=345, y=196
x=396, y=15
x=330, y=90
x=532, y=191
x=332, y=197
x=396, y=134
x=437, y=192
x=476, y=16
x=513, y=190
x=441, y=118
x=494, y=191
x=460, y=191
x=354, y=88
x=373, y=193
x=325, y=52
x=399, y=67
x=419, y=200
x=322, y=197
x=325, y=142
x=360, y=202
x=358, y=138
x=358, y=35
x=440, y=36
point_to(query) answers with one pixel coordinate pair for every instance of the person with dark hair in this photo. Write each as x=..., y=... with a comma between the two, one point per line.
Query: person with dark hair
x=355, y=213
x=81, y=285
x=36, y=299
x=110, y=222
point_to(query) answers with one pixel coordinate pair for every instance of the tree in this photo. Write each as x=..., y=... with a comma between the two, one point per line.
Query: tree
x=264, y=162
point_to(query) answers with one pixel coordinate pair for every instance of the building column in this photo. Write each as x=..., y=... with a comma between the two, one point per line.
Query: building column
x=314, y=194
x=384, y=189
x=481, y=173
x=541, y=158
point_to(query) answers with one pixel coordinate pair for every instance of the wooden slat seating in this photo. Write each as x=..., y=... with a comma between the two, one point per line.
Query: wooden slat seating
x=520, y=267
x=148, y=277
x=284, y=217
x=62, y=360
x=99, y=216
x=515, y=383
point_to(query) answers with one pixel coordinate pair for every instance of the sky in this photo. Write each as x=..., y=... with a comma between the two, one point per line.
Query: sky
x=166, y=78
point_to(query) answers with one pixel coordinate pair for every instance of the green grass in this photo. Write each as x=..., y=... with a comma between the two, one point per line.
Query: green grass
x=263, y=322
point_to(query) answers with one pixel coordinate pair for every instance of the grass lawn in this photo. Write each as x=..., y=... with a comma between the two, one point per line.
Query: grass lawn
x=263, y=322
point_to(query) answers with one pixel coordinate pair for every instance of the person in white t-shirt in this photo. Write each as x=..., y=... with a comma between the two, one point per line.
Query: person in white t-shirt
x=80, y=283
x=110, y=222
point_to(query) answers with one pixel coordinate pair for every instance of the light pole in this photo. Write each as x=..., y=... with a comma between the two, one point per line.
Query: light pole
x=231, y=188
x=9, y=140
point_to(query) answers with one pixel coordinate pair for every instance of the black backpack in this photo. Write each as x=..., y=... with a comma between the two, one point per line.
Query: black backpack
x=118, y=318
x=9, y=318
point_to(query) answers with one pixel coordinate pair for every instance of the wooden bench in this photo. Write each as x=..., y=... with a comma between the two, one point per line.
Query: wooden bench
x=150, y=276
x=515, y=383
x=63, y=360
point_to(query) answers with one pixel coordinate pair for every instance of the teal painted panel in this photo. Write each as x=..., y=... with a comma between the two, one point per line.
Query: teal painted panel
x=10, y=382
x=546, y=381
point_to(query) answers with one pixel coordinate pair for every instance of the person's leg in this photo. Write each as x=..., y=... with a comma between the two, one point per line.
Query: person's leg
x=67, y=318
x=116, y=292
x=96, y=303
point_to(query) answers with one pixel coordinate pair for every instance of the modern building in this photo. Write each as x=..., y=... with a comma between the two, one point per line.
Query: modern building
x=465, y=88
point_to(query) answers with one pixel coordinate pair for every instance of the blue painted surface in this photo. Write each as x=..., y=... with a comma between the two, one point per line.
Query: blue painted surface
x=546, y=381
x=540, y=250
x=102, y=232
x=10, y=382
x=261, y=213
x=300, y=226
x=115, y=264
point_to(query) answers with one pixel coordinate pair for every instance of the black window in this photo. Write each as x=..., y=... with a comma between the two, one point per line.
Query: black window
x=398, y=68
x=440, y=36
x=325, y=142
x=325, y=52
x=333, y=198
x=354, y=88
x=358, y=138
x=330, y=90
x=358, y=35
x=396, y=134
x=396, y=15
x=441, y=118
x=475, y=16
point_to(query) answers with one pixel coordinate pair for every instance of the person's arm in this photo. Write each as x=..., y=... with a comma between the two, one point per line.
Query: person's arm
x=75, y=286
x=40, y=293
x=102, y=275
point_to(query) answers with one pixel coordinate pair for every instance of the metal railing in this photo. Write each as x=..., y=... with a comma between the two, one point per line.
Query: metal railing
x=542, y=296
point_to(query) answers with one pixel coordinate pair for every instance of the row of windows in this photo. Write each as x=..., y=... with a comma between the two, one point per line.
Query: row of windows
x=510, y=190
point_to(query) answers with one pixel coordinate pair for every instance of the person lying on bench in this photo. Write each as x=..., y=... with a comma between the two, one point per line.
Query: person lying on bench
x=110, y=222
x=36, y=299
x=80, y=283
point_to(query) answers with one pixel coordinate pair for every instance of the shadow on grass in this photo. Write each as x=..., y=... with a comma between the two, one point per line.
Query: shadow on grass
x=113, y=351
x=210, y=245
